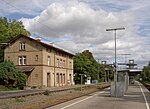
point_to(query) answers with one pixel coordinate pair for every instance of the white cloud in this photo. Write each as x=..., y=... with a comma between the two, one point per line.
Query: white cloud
x=84, y=23
x=78, y=20
x=86, y=28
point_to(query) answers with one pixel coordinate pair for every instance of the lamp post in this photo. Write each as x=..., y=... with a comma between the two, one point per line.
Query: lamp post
x=98, y=70
x=115, y=74
x=82, y=79
x=104, y=63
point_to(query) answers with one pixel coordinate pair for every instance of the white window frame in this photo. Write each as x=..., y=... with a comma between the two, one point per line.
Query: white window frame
x=57, y=78
x=70, y=77
x=48, y=60
x=63, y=63
x=61, y=78
x=60, y=63
x=36, y=57
x=70, y=64
x=64, y=79
x=57, y=63
x=22, y=46
x=22, y=60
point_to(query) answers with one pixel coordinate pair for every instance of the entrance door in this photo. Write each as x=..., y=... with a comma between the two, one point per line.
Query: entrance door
x=48, y=80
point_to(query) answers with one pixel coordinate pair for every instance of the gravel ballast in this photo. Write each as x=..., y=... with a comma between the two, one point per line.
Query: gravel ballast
x=42, y=101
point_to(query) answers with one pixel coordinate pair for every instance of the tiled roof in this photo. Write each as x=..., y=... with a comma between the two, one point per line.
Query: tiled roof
x=25, y=68
x=37, y=41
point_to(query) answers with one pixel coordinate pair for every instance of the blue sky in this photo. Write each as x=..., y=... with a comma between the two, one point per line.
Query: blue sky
x=78, y=25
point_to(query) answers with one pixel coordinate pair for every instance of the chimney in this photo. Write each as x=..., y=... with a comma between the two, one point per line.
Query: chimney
x=38, y=39
x=52, y=43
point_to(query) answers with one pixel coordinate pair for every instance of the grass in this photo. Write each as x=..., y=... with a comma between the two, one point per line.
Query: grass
x=3, y=88
x=46, y=92
x=77, y=89
x=19, y=100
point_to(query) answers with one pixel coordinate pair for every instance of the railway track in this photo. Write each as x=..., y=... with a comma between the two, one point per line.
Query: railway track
x=24, y=93
x=146, y=85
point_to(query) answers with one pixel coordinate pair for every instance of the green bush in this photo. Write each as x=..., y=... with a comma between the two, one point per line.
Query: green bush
x=21, y=80
x=33, y=87
x=46, y=92
x=10, y=76
x=77, y=89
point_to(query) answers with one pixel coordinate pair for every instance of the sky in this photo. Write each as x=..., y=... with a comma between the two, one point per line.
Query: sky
x=78, y=25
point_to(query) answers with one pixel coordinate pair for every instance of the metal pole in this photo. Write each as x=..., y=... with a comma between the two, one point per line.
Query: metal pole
x=106, y=76
x=81, y=79
x=98, y=71
x=115, y=74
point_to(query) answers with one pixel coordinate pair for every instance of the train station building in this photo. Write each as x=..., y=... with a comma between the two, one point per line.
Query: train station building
x=43, y=63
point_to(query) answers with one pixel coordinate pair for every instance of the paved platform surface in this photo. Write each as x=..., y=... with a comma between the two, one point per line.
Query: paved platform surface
x=136, y=97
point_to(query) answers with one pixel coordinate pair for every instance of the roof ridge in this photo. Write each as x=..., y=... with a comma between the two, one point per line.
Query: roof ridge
x=39, y=41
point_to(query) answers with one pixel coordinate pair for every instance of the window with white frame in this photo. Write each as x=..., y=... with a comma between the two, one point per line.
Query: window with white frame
x=57, y=63
x=70, y=78
x=61, y=78
x=70, y=64
x=63, y=63
x=36, y=57
x=64, y=78
x=57, y=78
x=22, y=60
x=48, y=60
x=60, y=63
x=22, y=46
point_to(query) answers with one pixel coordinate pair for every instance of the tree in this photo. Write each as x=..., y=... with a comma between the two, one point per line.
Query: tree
x=146, y=73
x=7, y=73
x=84, y=63
x=10, y=77
x=8, y=30
x=102, y=72
x=21, y=80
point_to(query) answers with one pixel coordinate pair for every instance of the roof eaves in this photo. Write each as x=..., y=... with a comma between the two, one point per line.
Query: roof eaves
x=11, y=41
x=48, y=45
x=42, y=43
